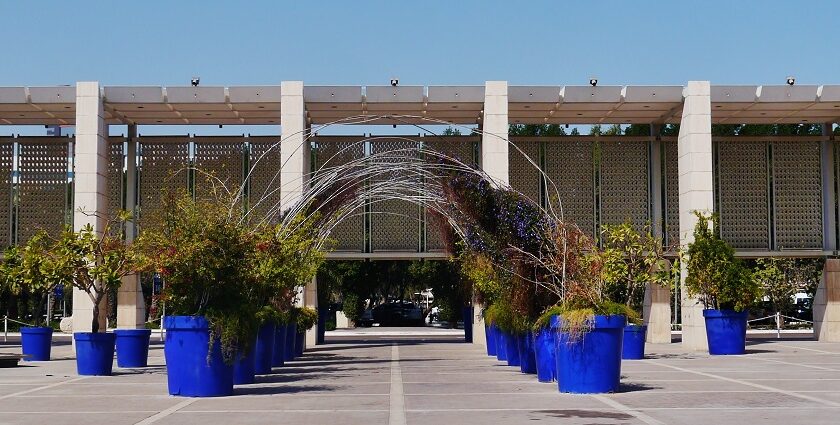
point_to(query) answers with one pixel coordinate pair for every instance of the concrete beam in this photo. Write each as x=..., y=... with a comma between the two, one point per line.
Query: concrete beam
x=696, y=193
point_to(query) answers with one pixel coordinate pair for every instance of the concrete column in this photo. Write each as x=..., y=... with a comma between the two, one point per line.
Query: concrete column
x=494, y=139
x=827, y=303
x=828, y=180
x=294, y=145
x=478, y=330
x=656, y=312
x=656, y=202
x=696, y=194
x=310, y=299
x=91, y=185
x=131, y=308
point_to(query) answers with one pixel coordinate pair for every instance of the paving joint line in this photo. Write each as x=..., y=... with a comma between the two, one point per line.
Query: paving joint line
x=166, y=412
x=396, y=414
x=626, y=409
x=45, y=387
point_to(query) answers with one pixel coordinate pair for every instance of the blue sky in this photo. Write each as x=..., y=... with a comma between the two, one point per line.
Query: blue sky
x=423, y=43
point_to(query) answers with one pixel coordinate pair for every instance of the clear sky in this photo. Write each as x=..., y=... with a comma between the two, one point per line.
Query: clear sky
x=423, y=42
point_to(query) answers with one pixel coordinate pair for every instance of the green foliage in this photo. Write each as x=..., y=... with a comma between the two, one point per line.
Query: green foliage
x=353, y=306
x=781, y=278
x=714, y=274
x=307, y=317
x=478, y=269
x=577, y=320
x=631, y=261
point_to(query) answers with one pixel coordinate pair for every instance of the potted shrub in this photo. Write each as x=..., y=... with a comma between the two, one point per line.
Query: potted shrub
x=201, y=248
x=722, y=283
x=525, y=345
x=26, y=269
x=544, y=350
x=307, y=317
x=631, y=261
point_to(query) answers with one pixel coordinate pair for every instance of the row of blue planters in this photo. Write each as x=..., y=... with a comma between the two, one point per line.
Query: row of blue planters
x=94, y=351
x=194, y=370
x=592, y=364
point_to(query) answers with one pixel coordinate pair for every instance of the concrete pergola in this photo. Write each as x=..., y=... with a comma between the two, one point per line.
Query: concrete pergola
x=494, y=106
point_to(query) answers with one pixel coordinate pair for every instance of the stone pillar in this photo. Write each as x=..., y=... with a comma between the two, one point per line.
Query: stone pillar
x=131, y=308
x=696, y=194
x=828, y=202
x=90, y=188
x=827, y=303
x=656, y=312
x=494, y=139
x=310, y=299
x=655, y=167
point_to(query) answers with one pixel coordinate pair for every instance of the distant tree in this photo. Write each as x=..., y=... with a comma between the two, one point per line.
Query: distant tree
x=544, y=130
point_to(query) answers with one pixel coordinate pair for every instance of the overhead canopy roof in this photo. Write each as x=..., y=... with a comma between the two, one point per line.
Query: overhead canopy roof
x=260, y=105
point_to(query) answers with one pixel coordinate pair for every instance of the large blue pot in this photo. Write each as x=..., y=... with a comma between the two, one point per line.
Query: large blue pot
x=544, y=352
x=527, y=357
x=501, y=345
x=264, y=348
x=300, y=341
x=467, y=317
x=490, y=340
x=279, y=353
x=193, y=369
x=590, y=363
x=36, y=343
x=633, y=346
x=291, y=334
x=726, y=331
x=511, y=349
x=94, y=353
x=244, y=369
x=132, y=347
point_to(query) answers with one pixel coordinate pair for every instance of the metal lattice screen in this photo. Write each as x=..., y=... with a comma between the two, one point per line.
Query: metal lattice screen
x=6, y=158
x=524, y=175
x=264, y=182
x=672, y=193
x=43, y=190
x=395, y=225
x=116, y=176
x=163, y=166
x=569, y=165
x=461, y=148
x=335, y=151
x=743, y=193
x=624, y=186
x=797, y=194
x=219, y=166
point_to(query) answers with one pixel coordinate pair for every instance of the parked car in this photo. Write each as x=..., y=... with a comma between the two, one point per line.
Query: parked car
x=398, y=313
x=367, y=318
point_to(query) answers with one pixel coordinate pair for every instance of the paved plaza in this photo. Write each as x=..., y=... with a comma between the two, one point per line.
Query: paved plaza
x=399, y=376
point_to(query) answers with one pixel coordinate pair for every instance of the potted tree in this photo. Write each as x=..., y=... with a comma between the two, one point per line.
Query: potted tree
x=26, y=269
x=307, y=317
x=631, y=261
x=722, y=283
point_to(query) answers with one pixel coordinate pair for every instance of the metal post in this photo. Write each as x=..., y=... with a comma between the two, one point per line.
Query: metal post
x=5, y=328
x=778, y=325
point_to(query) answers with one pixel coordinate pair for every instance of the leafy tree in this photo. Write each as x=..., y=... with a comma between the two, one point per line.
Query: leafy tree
x=780, y=279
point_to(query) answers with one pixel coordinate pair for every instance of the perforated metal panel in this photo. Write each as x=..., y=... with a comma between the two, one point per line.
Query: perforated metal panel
x=797, y=194
x=461, y=148
x=116, y=190
x=265, y=183
x=569, y=166
x=525, y=176
x=6, y=158
x=164, y=162
x=743, y=185
x=624, y=182
x=218, y=164
x=395, y=225
x=672, y=194
x=331, y=152
x=43, y=185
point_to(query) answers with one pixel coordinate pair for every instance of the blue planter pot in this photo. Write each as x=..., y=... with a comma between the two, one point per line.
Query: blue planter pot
x=511, y=349
x=94, y=353
x=590, y=363
x=527, y=356
x=36, y=343
x=264, y=348
x=726, y=331
x=633, y=347
x=299, y=343
x=490, y=340
x=132, y=347
x=544, y=352
x=193, y=369
x=467, y=317
x=244, y=369
x=279, y=353
x=291, y=334
x=501, y=345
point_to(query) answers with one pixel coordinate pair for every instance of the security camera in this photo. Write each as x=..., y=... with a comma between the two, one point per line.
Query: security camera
x=195, y=81
x=394, y=82
x=593, y=82
x=791, y=81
